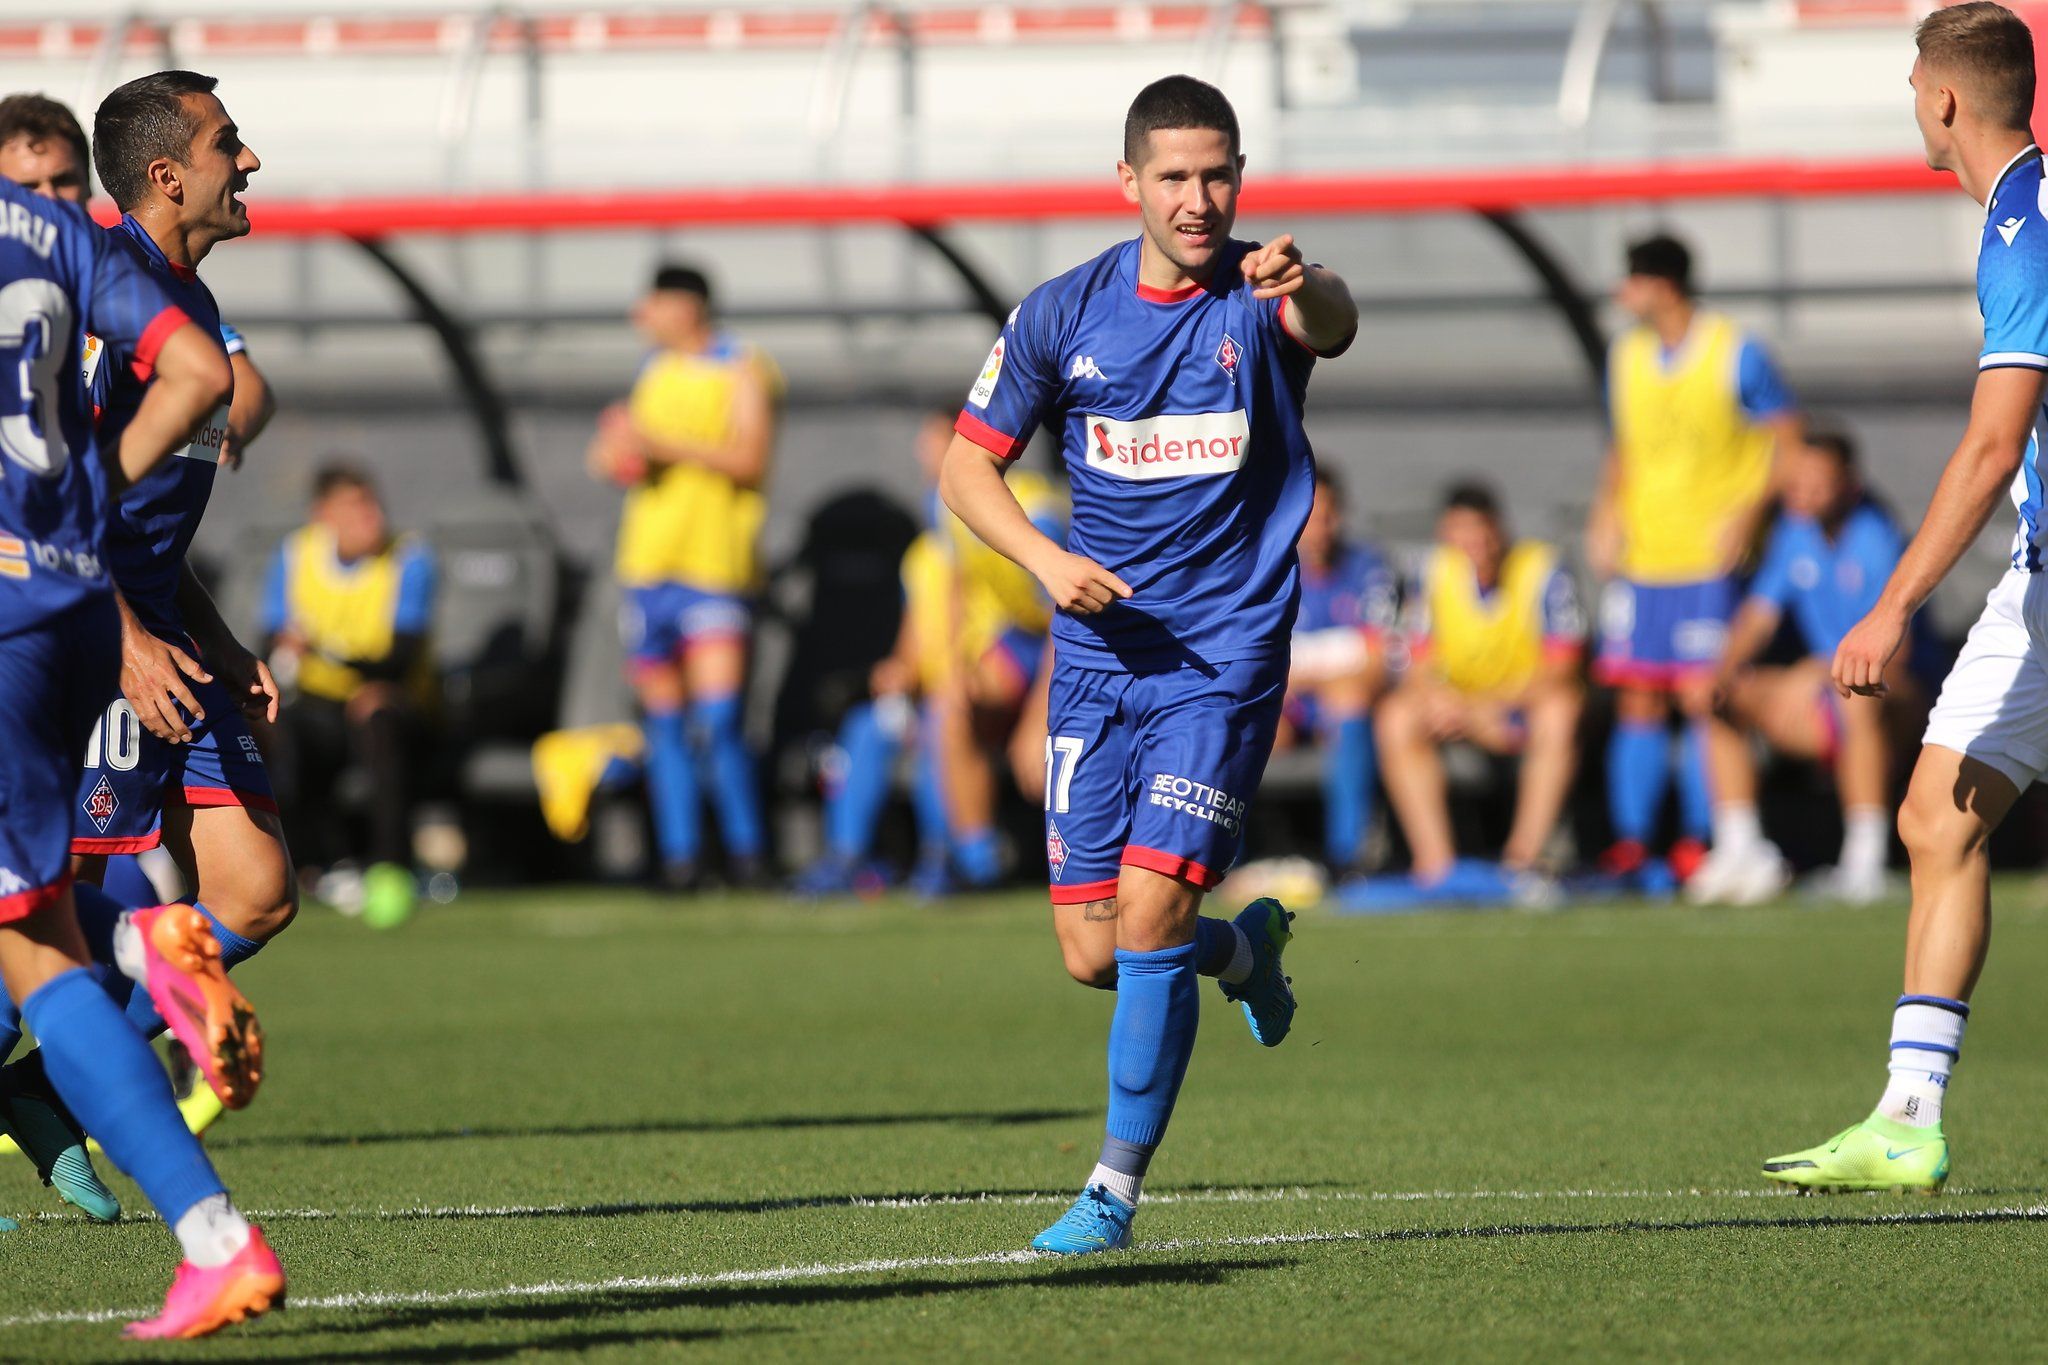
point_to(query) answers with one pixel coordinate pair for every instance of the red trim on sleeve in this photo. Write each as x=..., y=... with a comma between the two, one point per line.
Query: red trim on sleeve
x=1084, y=892
x=1171, y=865
x=206, y=797
x=1339, y=349
x=996, y=443
x=129, y=843
x=153, y=338
x=22, y=904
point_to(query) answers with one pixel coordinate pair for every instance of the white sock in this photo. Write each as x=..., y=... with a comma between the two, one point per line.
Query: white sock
x=1736, y=829
x=1118, y=1183
x=1927, y=1035
x=212, y=1232
x=1240, y=967
x=1866, y=839
x=128, y=951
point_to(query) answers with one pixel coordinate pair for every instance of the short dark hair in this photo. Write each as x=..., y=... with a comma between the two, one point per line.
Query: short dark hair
x=1662, y=257
x=40, y=118
x=683, y=279
x=1470, y=495
x=1327, y=477
x=141, y=121
x=338, y=474
x=1833, y=440
x=1176, y=102
x=1990, y=47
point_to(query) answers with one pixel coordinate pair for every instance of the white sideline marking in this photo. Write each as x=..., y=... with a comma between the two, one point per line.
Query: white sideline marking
x=550, y=1289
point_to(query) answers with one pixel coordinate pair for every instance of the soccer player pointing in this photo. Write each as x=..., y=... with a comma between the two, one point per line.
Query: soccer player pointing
x=1987, y=739
x=1172, y=369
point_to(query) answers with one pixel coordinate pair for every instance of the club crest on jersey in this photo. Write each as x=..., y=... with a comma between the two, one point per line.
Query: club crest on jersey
x=1055, y=850
x=1228, y=354
x=101, y=804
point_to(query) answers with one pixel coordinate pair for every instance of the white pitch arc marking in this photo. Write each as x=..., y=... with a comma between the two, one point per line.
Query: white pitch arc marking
x=554, y=1289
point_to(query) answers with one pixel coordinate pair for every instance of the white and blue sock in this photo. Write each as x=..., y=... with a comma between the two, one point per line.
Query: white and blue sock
x=1927, y=1038
x=108, y=1077
x=1151, y=1036
x=1222, y=950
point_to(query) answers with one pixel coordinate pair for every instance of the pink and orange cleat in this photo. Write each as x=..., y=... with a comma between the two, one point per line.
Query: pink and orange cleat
x=201, y=1302
x=180, y=968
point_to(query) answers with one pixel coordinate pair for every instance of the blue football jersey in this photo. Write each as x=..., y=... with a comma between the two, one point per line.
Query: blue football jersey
x=153, y=523
x=1179, y=415
x=60, y=275
x=2012, y=294
x=1359, y=591
x=1828, y=586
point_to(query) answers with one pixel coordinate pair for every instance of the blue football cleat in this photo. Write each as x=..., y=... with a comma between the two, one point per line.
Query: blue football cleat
x=1099, y=1221
x=80, y=1186
x=1267, y=996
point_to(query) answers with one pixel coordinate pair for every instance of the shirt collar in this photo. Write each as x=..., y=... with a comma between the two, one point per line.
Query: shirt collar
x=140, y=235
x=2029, y=150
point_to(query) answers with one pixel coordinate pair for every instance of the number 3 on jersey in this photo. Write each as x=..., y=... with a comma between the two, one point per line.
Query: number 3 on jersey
x=1062, y=754
x=116, y=739
x=35, y=323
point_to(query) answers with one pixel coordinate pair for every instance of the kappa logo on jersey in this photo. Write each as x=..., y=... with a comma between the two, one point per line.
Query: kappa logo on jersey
x=1228, y=354
x=991, y=370
x=2010, y=229
x=101, y=805
x=1055, y=850
x=1084, y=367
x=1168, y=447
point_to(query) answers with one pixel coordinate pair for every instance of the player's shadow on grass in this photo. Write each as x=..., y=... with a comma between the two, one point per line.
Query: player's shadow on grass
x=1001, y=1118
x=1110, y=1274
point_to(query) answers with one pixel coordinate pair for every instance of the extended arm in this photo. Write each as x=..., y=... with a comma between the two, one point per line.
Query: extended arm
x=1320, y=312
x=2002, y=416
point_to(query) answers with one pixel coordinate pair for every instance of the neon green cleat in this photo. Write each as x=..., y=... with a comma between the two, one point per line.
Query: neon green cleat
x=1876, y=1154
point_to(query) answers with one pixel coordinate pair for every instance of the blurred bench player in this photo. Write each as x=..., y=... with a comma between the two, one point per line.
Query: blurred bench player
x=1829, y=554
x=59, y=652
x=1697, y=411
x=1172, y=369
x=1496, y=641
x=956, y=684
x=1350, y=602
x=691, y=445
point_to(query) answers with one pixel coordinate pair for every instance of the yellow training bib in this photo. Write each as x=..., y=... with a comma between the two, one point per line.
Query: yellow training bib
x=1488, y=647
x=345, y=611
x=1691, y=461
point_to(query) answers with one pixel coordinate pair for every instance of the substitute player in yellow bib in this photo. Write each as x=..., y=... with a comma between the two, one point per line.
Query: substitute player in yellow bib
x=1495, y=640
x=1698, y=413
x=692, y=445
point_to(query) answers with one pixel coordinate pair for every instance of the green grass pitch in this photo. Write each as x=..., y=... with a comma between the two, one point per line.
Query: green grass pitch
x=592, y=1123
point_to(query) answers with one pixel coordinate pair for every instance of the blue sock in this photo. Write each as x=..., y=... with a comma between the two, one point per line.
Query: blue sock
x=672, y=787
x=1216, y=943
x=717, y=726
x=1347, y=790
x=1695, y=786
x=854, y=810
x=126, y=882
x=1150, y=1038
x=928, y=802
x=979, y=856
x=108, y=1077
x=1638, y=774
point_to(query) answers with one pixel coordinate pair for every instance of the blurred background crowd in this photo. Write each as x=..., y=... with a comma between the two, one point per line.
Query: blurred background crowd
x=613, y=352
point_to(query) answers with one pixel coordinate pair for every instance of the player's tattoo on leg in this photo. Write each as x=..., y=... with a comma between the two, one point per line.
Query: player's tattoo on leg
x=1097, y=912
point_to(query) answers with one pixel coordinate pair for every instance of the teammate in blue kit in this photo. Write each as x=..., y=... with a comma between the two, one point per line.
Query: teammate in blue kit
x=59, y=276
x=171, y=758
x=1829, y=554
x=1350, y=609
x=1172, y=370
x=1987, y=738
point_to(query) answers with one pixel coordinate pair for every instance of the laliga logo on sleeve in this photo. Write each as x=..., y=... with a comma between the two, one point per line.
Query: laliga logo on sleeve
x=1228, y=354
